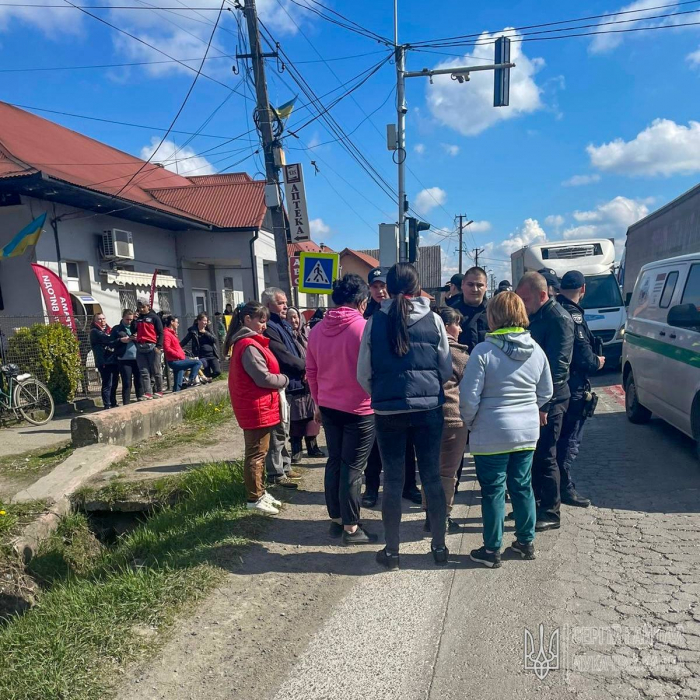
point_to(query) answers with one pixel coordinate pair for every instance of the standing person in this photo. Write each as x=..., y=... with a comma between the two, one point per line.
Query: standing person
x=228, y=311
x=344, y=406
x=454, y=432
x=472, y=305
x=204, y=346
x=453, y=289
x=506, y=381
x=317, y=317
x=175, y=355
x=125, y=349
x=584, y=362
x=404, y=362
x=220, y=327
x=504, y=286
x=105, y=359
x=377, y=294
x=148, y=329
x=254, y=384
x=302, y=407
x=377, y=290
x=552, y=328
x=285, y=349
x=552, y=281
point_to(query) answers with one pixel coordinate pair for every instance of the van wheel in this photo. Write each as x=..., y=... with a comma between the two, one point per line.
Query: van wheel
x=636, y=413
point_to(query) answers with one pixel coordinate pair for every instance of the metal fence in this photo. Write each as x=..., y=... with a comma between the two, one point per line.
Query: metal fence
x=91, y=381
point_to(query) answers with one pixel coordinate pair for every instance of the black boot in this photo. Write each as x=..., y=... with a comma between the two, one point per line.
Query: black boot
x=312, y=448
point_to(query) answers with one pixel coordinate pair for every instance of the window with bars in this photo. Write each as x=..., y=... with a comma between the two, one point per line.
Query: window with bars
x=127, y=299
x=165, y=302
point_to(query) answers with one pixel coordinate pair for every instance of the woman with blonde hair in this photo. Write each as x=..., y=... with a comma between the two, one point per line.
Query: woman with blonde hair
x=505, y=382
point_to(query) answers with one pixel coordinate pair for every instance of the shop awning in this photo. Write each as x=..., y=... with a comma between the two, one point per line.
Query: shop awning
x=127, y=278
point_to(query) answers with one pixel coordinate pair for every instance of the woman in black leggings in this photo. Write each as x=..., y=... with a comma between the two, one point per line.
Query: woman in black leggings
x=204, y=345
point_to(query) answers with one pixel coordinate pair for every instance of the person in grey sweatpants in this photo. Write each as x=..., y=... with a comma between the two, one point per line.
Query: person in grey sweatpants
x=278, y=461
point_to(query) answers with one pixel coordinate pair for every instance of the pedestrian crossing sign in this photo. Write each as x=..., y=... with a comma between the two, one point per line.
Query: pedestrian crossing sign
x=317, y=272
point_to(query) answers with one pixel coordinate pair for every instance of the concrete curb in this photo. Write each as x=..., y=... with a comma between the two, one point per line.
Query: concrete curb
x=136, y=422
x=58, y=487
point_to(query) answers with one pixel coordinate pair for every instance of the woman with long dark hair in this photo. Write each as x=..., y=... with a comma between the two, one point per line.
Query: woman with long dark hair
x=254, y=384
x=404, y=362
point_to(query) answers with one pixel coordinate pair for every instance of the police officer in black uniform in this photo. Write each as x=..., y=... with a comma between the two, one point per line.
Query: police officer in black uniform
x=552, y=328
x=584, y=363
x=471, y=303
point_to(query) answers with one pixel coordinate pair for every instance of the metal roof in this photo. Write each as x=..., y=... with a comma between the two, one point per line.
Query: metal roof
x=31, y=145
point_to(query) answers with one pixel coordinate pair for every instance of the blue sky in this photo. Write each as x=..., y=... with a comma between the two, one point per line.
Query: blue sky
x=600, y=130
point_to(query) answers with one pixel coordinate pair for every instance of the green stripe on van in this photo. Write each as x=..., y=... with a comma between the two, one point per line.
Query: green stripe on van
x=688, y=357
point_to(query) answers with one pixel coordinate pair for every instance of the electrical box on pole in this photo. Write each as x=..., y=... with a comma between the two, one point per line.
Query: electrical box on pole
x=501, y=76
x=415, y=226
x=388, y=244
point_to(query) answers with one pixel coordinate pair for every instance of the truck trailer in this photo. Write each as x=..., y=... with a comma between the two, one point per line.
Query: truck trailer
x=595, y=259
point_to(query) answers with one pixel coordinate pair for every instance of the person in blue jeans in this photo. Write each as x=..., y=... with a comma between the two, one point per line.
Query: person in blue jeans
x=175, y=355
x=505, y=382
x=403, y=363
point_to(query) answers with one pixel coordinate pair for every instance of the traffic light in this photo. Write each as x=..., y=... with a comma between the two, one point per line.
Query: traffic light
x=501, y=76
x=414, y=228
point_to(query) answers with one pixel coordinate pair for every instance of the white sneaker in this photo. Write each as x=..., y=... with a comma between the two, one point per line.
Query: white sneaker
x=271, y=499
x=264, y=506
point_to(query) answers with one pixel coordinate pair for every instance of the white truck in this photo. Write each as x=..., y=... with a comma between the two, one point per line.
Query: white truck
x=595, y=259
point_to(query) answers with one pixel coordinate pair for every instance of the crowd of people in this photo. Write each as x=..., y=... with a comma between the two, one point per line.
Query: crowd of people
x=397, y=385
x=133, y=351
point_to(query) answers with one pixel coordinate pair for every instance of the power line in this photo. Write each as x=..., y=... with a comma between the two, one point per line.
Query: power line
x=182, y=106
x=565, y=21
x=150, y=46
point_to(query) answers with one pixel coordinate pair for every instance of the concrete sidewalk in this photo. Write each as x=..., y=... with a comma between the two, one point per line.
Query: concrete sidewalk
x=26, y=438
x=300, y=618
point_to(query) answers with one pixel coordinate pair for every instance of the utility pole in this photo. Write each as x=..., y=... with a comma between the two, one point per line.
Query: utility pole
x=270, y=145
x=462, y=226
x=493, y=284
x=400, y=58
x=460, y=74
x=477, y=253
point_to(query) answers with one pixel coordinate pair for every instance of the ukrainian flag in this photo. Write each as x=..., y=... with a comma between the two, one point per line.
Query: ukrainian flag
x=283, y=111
x=29, y=235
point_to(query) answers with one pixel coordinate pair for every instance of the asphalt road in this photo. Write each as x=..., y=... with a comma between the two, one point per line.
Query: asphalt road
x=618, y=586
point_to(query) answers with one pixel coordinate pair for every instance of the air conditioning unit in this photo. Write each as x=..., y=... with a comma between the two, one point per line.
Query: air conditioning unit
x=117, y=245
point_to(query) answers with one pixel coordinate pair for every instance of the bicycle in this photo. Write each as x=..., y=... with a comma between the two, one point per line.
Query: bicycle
x=25, y=396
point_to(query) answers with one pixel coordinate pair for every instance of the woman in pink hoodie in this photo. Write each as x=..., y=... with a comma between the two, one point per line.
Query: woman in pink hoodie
x=348, y=420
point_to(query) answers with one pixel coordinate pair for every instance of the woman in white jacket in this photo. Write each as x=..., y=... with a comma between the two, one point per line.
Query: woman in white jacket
x=506, y=381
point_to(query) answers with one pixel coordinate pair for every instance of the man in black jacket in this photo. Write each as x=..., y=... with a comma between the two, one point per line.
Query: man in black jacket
x=553, y=329
x=583, y=363
x=278, y=462
x=472, y=305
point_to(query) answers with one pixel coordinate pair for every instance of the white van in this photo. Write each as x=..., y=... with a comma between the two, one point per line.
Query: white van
x=595, y=258
x=661, y=353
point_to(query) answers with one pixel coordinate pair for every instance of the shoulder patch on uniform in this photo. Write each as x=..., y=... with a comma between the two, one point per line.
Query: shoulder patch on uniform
x=577, y=316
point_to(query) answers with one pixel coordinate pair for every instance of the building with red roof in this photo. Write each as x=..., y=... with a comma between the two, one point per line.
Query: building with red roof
x=113, y=218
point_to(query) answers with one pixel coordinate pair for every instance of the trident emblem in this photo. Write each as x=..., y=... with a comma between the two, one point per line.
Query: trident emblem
x=541, y=662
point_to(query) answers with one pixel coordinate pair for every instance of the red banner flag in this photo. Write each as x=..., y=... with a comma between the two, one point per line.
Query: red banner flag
x=153, y=288
x=56, y=298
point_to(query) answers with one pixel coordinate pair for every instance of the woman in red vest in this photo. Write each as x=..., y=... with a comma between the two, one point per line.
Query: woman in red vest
x=255, y=384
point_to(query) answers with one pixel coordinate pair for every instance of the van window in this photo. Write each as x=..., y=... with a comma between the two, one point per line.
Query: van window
x=669, y=288
x=691, y=293
x=601, y=291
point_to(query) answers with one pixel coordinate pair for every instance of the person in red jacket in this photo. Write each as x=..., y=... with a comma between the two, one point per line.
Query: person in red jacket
x=175, y=355
x=255, y=384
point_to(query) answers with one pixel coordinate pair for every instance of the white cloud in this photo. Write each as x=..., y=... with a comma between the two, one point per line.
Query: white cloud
x=319, y=229
x=609, y=220
x=182, y=161
x=429, y=198
x=578, y=180
x=450, y=149
x=664, y=148
x=468, y=108
x=694, y=59
x=641, y=14
x=53, y=22
x=556, y=221
x=419, y=148
x=479, y=226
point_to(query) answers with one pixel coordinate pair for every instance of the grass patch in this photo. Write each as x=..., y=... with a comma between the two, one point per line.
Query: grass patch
x=13, y=517
x=205, y=411
x=35, y=462
x=88, y=622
